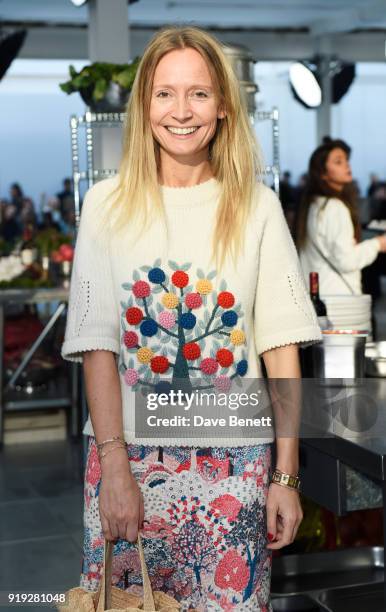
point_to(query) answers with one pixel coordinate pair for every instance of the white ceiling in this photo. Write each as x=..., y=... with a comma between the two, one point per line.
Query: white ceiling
x=318, y=16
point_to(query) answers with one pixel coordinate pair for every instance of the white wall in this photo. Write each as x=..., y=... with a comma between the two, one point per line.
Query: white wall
x=34, y=127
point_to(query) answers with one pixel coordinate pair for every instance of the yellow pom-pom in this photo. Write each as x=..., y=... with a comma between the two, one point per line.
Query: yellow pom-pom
x=169, y=300
x=144, y=354
x=204, y=286
x=237, y=336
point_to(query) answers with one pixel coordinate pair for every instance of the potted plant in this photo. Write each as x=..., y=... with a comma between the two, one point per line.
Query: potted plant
x=103, y=86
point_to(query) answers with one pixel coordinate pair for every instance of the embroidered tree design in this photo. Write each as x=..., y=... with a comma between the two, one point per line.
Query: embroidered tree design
x=169, y=336
x=248, y=529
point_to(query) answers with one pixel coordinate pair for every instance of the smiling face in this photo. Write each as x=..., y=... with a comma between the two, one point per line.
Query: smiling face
x=338, y=170
x=184, y=108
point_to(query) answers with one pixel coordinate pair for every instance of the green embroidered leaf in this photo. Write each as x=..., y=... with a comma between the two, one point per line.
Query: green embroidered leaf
x=122, y=368
x=123, y=324
x=136, y=275
x=156, y=348
x=200, y=273
x=206, y=316
x=211, y=275
x=204, y=299
x=237, y=309
x=173, y=265
x=157, y=289
x=142, y=369
x=131, y=362
x=214, y=298
x=123, y=306
x=226, y=341
x=157, y=263
x=145, y=268
x=158, y=307
x=149, y=300
x=127, y=286
x=130, y=301
x=223, y=285
x=185, y=267
x=189, y=289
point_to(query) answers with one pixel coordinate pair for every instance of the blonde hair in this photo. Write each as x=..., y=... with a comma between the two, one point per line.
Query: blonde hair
x=235, y=157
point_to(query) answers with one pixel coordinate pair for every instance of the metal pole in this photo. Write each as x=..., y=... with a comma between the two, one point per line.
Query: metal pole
x=35, y=346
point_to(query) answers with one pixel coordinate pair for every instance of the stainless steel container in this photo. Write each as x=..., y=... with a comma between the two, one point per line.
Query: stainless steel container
x=375, y=359
x=339, y=355
x=243, y=65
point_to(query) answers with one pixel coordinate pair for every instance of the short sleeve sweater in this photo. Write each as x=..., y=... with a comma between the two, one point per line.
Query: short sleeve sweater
x=155, y=299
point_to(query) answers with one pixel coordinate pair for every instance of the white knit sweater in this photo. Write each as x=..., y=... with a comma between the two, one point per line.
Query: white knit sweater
x=330, y=227
x=145, y=300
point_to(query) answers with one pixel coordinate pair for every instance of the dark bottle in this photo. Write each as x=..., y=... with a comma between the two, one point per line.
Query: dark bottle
x=319, y=305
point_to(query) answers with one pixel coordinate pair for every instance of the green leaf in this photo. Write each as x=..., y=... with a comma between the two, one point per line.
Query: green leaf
x=211, y=275
x=136, y=275
x=123, y=325
x=122, y=368
x=157, y=289
x=145, y=268
x=131, y=362
x=100, y=89
x=223, y=285
x=130, y=301
x=127, y=286
x=165, y=339
x=185, y=267
x=214, y=298
x=157, y=263
x=200, y=273
x=124, y=307
x=173, y=265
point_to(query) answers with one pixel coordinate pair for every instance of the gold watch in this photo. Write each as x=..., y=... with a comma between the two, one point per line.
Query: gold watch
x=286, y=480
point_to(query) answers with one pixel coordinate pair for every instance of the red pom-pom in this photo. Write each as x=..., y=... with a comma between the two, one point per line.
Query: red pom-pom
x=180, y=279
x=193, y=300
x=141, y=289
x=209, y=365
x=225, y=299
x=130, y=339
x=224, y=358
x=159, y=364
x=191, y=351
x=134, y=315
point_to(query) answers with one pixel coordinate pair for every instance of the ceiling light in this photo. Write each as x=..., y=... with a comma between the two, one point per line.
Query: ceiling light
x=305, y=85
x=78, y=2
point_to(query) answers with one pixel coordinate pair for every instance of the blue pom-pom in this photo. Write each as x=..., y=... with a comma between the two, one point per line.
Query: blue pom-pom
x=163, y=387
x=156, y=275
x=229, y=318
x=188, y=320
x=242, y=367
x=148, y=327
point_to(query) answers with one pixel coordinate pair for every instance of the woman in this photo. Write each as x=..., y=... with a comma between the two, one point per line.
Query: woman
x=185, y=268
x=328, y=232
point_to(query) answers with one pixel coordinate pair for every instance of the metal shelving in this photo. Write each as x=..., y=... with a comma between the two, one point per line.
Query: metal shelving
x=90, y=120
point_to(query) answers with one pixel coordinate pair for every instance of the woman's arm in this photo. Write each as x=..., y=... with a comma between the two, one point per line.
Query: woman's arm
x=339, y=240
x=284, y=512
x=120, y=499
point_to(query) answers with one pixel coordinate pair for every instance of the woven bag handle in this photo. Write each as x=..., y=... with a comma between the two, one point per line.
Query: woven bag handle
x=104, y=599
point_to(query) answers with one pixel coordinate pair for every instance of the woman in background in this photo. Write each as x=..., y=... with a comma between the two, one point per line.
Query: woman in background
x=328, y=228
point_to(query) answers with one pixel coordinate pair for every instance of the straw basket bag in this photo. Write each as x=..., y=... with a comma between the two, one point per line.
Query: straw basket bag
x=111, y=599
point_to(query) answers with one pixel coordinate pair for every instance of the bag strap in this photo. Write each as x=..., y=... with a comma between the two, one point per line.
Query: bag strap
x=334, y=268
x=104, y=597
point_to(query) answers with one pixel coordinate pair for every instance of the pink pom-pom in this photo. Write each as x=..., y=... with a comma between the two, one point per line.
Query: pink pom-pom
x=222, y=383
x=131, y=377
x=167, y=319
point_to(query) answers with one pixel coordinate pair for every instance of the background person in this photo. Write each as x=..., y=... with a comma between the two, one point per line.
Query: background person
x=328, y=228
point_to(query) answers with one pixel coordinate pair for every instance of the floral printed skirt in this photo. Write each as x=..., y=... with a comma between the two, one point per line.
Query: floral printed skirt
x=205, y=530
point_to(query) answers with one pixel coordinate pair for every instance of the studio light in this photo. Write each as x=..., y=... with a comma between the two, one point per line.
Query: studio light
x=305, y=85
x=78, y=2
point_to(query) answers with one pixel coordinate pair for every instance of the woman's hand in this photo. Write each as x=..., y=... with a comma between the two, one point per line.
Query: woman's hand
x=120, y=499
x=382, y=242
x=284, y=515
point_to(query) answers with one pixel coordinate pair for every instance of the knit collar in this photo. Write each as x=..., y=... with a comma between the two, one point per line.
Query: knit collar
x=190, y=196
